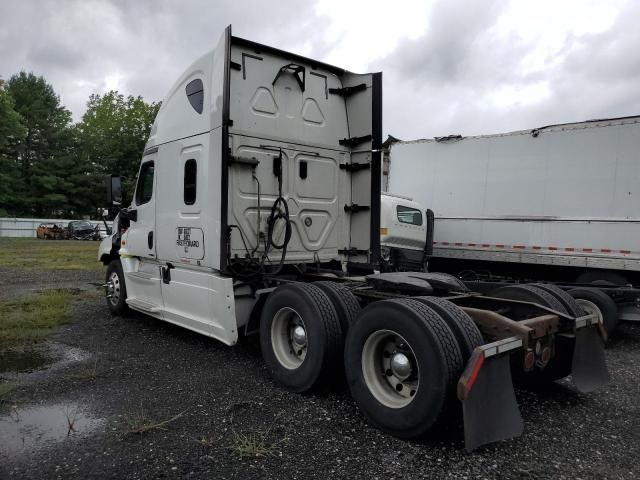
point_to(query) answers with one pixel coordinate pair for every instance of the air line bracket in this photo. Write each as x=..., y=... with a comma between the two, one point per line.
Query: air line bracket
x=355, y=208
x=353, y=141
x=348, y=91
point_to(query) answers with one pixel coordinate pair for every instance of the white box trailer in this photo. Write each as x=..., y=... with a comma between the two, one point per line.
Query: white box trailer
x=257, y=210
x=561, y=201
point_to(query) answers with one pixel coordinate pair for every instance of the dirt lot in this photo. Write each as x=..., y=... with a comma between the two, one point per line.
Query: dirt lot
x=138, y=398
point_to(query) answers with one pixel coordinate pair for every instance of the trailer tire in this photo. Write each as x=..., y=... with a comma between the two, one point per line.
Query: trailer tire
x=117, y=303
x=461, y=324
x=567, y=301
x=602, y=277
x=300, y=360
x=603, y=302
x=410, y=410
x=346, y=304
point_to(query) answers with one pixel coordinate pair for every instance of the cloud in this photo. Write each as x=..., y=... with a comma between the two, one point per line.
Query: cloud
x=449, y=66
x=86, y=46
x=486, y=67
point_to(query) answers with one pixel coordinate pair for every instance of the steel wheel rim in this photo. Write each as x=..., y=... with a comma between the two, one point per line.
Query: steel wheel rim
x=113, y=289
x=590, y=307
x=288, y=338
x=387, y=381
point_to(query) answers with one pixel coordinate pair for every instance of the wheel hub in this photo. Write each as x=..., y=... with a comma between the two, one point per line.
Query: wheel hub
x=289, y=338
x=299, y=336
x=401, y=366
x=390, y=368
x=112, y=288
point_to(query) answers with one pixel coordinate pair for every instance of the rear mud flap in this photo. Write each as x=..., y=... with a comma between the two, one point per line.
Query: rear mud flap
x=489, y=405
x=589, y=369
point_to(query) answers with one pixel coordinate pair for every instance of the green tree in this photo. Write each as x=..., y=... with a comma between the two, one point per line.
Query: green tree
x=46, y=141
x=11, y=134
x=114, y=130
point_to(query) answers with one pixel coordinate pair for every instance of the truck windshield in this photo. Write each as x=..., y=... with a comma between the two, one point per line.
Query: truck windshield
x=409, y=215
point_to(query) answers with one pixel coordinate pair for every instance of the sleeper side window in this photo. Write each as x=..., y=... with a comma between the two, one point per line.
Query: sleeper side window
x=409, y=215
x=195, y=94
x=144, y=189
x=190, y=181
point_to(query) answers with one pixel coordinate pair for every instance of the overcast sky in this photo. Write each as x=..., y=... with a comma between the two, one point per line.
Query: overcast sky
x=449, y=66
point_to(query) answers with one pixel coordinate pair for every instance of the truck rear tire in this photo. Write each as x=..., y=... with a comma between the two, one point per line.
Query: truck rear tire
x=401, y=362
x=117, y=291
x=596, y=300
x=560, y=365
x=346, y=304
x=461, y=324
x=567, y=301
x=300, y=336
x=529, y=293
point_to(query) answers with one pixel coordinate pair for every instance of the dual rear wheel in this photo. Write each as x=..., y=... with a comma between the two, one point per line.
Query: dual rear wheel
x=402, y=363
x=401, y=357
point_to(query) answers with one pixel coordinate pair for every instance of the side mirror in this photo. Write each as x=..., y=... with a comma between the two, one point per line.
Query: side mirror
x=114, y=191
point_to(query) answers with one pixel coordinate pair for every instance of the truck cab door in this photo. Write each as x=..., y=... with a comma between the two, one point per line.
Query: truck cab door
x=138, y=251
x=141, y=242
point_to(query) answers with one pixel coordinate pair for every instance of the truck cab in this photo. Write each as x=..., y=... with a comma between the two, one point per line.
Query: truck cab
x=259, y=163
x=406, y=233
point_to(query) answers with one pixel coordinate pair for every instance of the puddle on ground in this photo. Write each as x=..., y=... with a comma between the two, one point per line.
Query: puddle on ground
x=27, y=430
x=49, y=357
x=22, y=360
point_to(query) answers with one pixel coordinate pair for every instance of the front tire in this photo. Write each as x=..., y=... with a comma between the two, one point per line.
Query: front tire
x=116, y=289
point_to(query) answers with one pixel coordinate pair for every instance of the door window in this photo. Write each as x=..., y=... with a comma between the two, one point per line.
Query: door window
x=144, y=189
x=412, y=216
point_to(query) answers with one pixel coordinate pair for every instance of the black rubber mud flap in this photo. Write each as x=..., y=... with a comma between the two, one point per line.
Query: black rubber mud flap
x=589, y=369
x=489, y=406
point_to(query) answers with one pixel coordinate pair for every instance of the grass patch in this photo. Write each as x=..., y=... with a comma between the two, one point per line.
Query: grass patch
x=257, y=443
x=35, y=254
x=7, y=391
x=140, y=422
x=254, y=445
x=31, y=319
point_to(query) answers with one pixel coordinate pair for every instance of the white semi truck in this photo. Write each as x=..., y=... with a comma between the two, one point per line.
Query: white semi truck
x=257, y=210
x=558, y=203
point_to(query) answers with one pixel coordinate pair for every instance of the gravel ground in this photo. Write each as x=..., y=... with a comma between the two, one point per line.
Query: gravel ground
x=116, y=373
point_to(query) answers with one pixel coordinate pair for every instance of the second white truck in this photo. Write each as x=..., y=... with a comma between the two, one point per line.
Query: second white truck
x=560, y=202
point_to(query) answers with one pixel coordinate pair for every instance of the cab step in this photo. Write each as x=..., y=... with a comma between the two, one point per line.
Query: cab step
x=138, y=304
